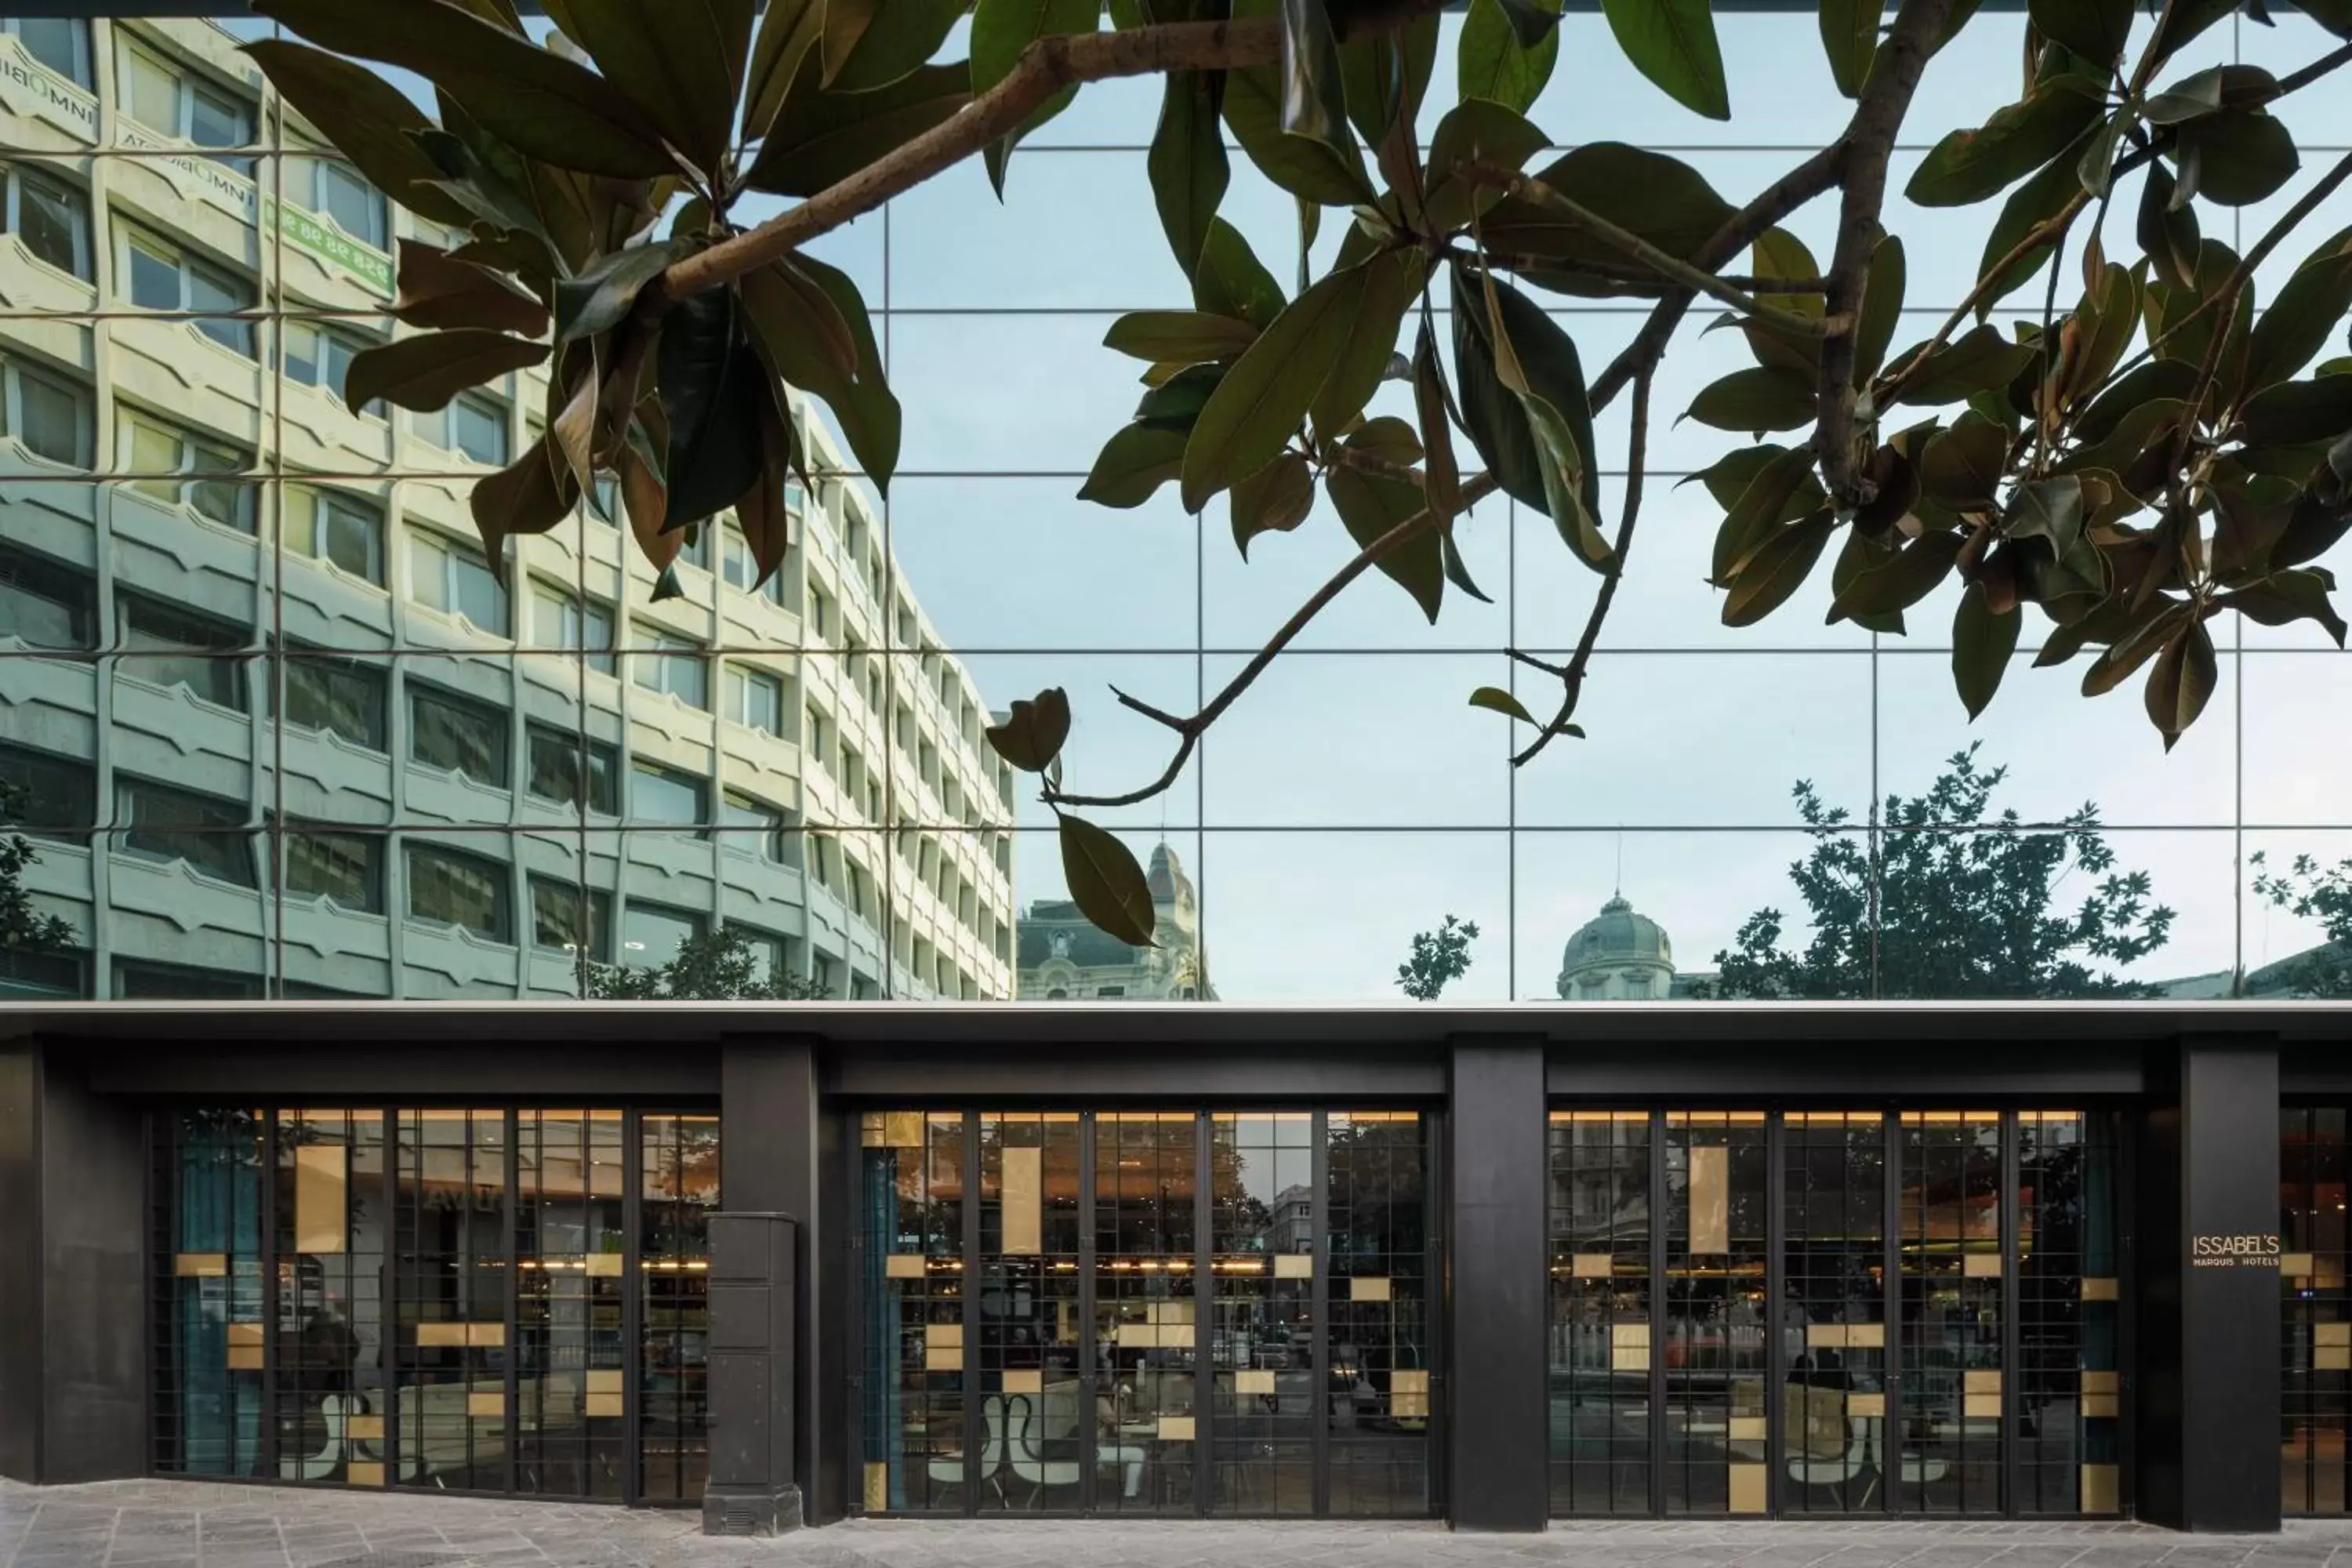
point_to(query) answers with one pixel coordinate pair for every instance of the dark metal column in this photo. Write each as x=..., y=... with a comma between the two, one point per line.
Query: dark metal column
x=2013, y=1356
x=1776, y=1293
x=2209, y=1405
x=1495, y=1295
x=1319, y=1298
x=1661, y=1221
x=1089, y=1363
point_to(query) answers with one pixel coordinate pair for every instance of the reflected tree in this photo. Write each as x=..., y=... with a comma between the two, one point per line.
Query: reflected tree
x=1944, y=899
x=2311, y=891
x=1439, y=958
x=710, y=966
x=23, y=929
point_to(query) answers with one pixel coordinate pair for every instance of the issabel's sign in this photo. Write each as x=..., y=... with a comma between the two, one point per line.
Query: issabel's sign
x=2247, y=1249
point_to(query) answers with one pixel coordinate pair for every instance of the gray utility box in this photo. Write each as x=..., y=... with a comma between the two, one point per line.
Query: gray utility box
x=752, y=1277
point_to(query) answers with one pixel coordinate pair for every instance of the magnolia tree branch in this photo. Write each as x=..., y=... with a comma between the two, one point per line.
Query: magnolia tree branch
x=1867, y=145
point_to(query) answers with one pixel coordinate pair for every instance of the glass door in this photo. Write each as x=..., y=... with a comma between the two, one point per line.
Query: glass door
x=1599, y=1329
x=1832, y=1314
x=1377, y=1399
x=1713, y=1364
x=1146, y=1321
x=1953, y=1307
x=1262, y=1351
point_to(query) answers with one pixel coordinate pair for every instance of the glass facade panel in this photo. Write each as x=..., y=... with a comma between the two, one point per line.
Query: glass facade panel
x=1263, y=1352
x=911, y=1195
x=1954, y=1260
x=1146, y=1306
x=1834, y=1408
x=1025, y=1367
x=1378, y=1346
x=1714, y=1350
x=2316, y=1445
x=1600, y=1290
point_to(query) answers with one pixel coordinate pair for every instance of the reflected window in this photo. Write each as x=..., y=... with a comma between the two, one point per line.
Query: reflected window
x=339, y=191
x=457, y=735
x=44, y=604
x=755, y=699
x=460, y=890
x=340, y=696
x=60, y=43
x=343, y=529
x=561, y=619
x=176, y=647
x=49, y=415
x=449, y=578
x=47, y=796
x=51, y=215
x=652, y=934
x=162, y=275
x=319, y=355
x=678, y=665
x=771, y=953
x=139, y=982
x=560, y=921
x=743, y=572
x=663, y=796
x=180, y=468
x=173, y=100
x=158, y=822
x=345, y=867
x=471, y=423
x=759, y=828
x=557, y=762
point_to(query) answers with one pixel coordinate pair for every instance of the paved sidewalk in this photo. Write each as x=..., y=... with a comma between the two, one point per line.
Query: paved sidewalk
x=192, y=1524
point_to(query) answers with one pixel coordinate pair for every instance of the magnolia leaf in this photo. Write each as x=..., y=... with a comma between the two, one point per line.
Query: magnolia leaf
x=1391, y=280
x=1473, y=132
x=1882, y=308
x=1979, y=360
x=1457, y=571
x=1661, y=199
x=778, y=314
x=1312, y=170
x=1442, y=476
x=1231, y=281
x=1982, y=641
x=2285, y=597
x=2033, y=203
x=1900, y=580
x=821, y=138
x=1134, y=464
x=1850, y=38
x=437, y=291
x=1314, y=94
x=680, y=62
x=2291, y=332
x=1105, y=883
x=1756, y=399
x=1179, y=337
x=1275, y=500
x=712, y=382
x=1966, y=166
x=367, y=118
x=899, y=37
x=597, y=298
x=1001, y=30
x=2094, y=29
x=1493, y=63
x=1779, y=489
x=1370, y=506
x=1776, y=568
x=1494, y=413
x=2296, y=411
x=1187, y=162
x=1259, y=404
x=423, y=372
x=2239, y=157
x=2181, y=681
x=788, y=30
x=529, y=495
x=1672, y=42
x=1034, y=732
x=1495, y=700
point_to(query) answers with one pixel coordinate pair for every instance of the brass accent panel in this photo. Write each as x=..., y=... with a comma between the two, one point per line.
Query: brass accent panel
x=1747, y=1488
x=605, y=1405
x=943, y=1334
x=1592, y=1265
x=2331, y=1333
x=200, y=1265
x=1865, y=1336
x=1748, y=1429
x=943, y=1347
x=440, y=1336
x=1873, y=1406
x=1175, y=1429
x=242, y=1335
x=1626, y=1335
x=2332, y=1358
x=1981, y=1266
x=1256, y=1381
x=2295, y=1265
x=902, y=1130
x=903, y=1265
x=2101, y=1289
x=1293, y=1265
x=877, y=1485
x=2097, y=1406
x=1710, y=1200
x=1980, y=1382
x=1024, y=1186
x=242, y=1359
x=1980, y=1407
x=604, y=1382
x=1367, y=1289
x=1630, y=1358
x=485, y=1333
x=321, y=1198
x=1409, y=1393
x=367, y=1428
x=2103, y=1381
x=603, y=1264
x=486, y=1405
x=363, y=1474
x=1028, y=1380
x=1829, y=1335
x=2101, y=1493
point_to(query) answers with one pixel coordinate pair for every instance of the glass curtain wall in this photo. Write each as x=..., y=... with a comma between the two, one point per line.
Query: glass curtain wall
x=2317, y=1346
x=434, y=1298
x=1834, y=1313
x=1173, y=1313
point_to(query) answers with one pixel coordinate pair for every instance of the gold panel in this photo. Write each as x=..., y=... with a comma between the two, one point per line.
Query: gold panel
x=1980, y=1382
x=877, y=1486
x=244, y=1359
x=2099, y=1488
x=1981, y=1266
x=1980, y=1407
x=244, y=1334
x=1136, y=1336
x=1175, y=1336
x=1630, y=1358
x=1253, y=1383
x=902, y=1129
x=869, y=1131
x=485, y=1333
x=200, y=1265
x=604, y=1383
x=943, y=1358
x=2103, y=1381
x=321, y=1201
x=1028, y=1380
x=943, y=1334
x=1409, y=1394
x=1710, y=1200
x=1293, y=1265
x=364, y=1429
x=439, y=1335
x=1748, y=1488
x=1865, y=1336
x=606, y=1264
x=1829, y=1335
x=1367, y=1289
x=2101, y=1404
x=486, y=1405
x=1748, y=1429
x=361, y=1474
x=1024, y=1186
x=1870, y=1404
x=1175, y=1429
x=1625, y=1335
x=2332, y=1358
x=2331, y=1333
x=1592, y=1265
x=2100, y=1289
x=2295, y=1265
x=605, y=1405
x=903, y=1265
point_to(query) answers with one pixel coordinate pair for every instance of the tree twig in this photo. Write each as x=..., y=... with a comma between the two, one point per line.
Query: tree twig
x=1671, y=268
x=1867, y=145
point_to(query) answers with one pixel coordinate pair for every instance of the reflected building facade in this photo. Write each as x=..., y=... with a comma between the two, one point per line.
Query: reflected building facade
x=1065, y=958
x=279, y=728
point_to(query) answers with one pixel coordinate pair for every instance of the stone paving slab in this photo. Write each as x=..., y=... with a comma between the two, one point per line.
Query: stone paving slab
x=196, y=1524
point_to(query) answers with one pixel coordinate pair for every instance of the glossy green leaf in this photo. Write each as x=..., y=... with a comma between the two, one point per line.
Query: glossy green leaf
x=1850, y=38
x=1314, y=97
x=1176, y=404
x=2296, y=411
x=1963, y=466
x=1904, y=578
x=2052, y=508
x=1105, y=883
x=680, y=62
x=1882, y=308
x=1473, y=132
x=1001, y=30
x=1754, y=400
x=2300, y=322
x=529, y=495
x=710, y=382
x=1495, y=699
x=1369, y=507
x=1179, y=337
x=1034, y=730
x=2211, y=91
x=2285, y=597
x=2236, y=158
x=1673, y=43
x=1775, y=569
x=1133, y=465
x=367, y=118
x=1187, y=162
x=598, y=297
x=1983, y=640
x=865, y=410
x=820, y=139
x=1493, y=63
x=1778, y=488
x=1231, y=281
x=1275, y=500
x=903, y=37
x=1661, y=199
x=437, y=291
x=1978, y=360
x=543, y=104
x=1391, y=282
x=425, y=372
x=1262, y=400
x=2181, y=681
x=2094, y=29
x=788, y=30
x=2166, y=232
x=2039, y=198
x=1310, y=169
x=1385, y=75
x=1546, y=357
x=1966, y=166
